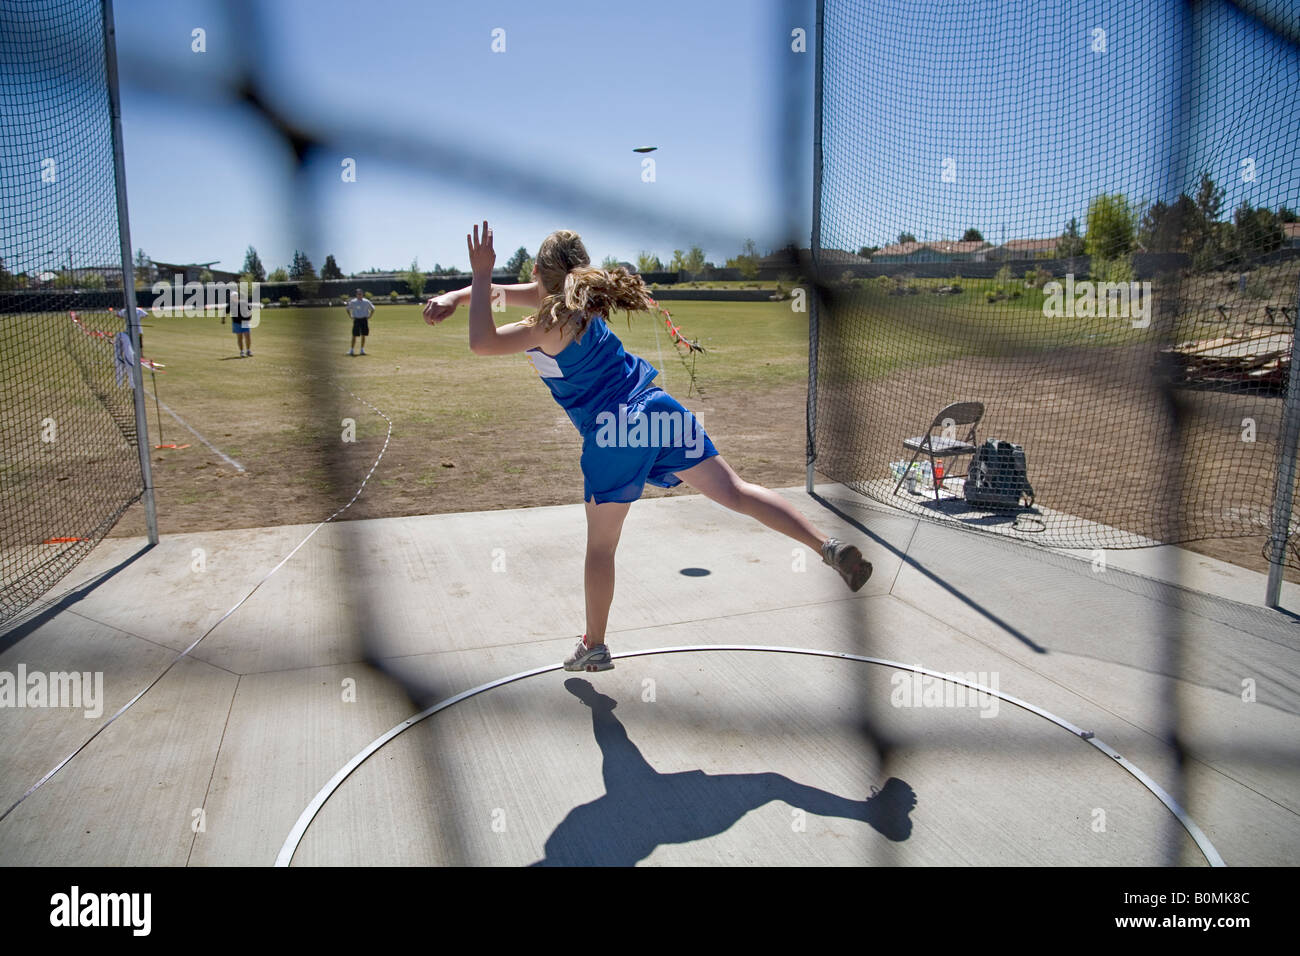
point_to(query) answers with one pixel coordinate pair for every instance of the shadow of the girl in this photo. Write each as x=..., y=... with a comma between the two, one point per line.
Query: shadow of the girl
x=643, y=809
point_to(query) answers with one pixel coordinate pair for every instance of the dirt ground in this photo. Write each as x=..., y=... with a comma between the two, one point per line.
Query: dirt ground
x=1098, y=443
x=767, y=449
x=482, y=435
x=484, y=469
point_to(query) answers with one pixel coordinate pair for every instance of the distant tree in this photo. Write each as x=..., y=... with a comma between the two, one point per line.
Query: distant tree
x=525, y=273
x=143, y=265
x=278, y=275
x=253, y=265
x=905, y=237
x=7, y=280
x=518, y=259
x=1209, y=199
x=648, y=262
x=330, y=270
x=1164, y=227
x=609, y=262
x=1258, y=231
x=67, y=279
x=205, y=276
x=1070, y=245
x=866, y=252
x=415, y=278
x=301, y=267
x=1204, y=236
x=678, y=263
x=1286, y=214
x=695, y=263
x=1110, y=227
x=747, y=261
x=972, y=235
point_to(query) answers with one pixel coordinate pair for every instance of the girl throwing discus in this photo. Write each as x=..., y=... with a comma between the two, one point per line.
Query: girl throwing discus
x=633, y=432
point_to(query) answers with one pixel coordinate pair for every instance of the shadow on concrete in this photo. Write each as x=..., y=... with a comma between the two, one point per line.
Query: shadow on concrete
x=937, y=579
x=643, y=809
x=30, y=622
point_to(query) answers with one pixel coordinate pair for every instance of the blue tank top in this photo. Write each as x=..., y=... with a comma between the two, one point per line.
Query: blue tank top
x=592, y=375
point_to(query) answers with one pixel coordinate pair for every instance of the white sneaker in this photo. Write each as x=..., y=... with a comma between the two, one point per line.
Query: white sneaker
x=363, y=351
x=350, y=352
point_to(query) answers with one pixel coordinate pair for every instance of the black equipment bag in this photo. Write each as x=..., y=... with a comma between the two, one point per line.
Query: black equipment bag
x=997, y=477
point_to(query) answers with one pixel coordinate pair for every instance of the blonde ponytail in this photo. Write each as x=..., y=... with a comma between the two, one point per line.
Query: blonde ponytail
x=582, y=291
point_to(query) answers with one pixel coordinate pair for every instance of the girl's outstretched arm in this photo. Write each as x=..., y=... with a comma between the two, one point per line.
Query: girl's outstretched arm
x=526, y=295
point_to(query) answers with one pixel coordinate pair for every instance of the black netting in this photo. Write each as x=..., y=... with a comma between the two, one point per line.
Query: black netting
x=1136, y=155
x=68, y=433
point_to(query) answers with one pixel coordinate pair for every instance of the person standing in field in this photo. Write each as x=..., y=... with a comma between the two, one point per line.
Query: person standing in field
x=361, y=309
x=239, y=319
x=595, y=381
x=140, y=316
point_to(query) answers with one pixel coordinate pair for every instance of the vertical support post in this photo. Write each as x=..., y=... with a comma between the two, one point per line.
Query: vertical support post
x=814, y=314
x=128, y=270
x=1286, y=472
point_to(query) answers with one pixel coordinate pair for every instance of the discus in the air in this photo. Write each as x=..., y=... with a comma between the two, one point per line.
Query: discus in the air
x=644, y=149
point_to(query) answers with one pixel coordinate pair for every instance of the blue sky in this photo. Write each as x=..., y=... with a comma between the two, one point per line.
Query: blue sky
x=578, y=86
x=1035, y=107
x=1013, y=100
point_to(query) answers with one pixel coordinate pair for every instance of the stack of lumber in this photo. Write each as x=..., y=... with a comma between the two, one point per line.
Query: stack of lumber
x=1261, y=357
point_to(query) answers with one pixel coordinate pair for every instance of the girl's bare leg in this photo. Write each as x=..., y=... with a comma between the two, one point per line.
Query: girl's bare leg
x=715, y=479
x=604, y=524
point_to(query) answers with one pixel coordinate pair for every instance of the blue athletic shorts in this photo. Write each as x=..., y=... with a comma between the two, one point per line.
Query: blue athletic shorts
x=644, y=441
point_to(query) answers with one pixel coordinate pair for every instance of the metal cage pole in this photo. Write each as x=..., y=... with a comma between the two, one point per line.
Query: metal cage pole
x=814, y=314
x=1286, y=471
x=128, y=270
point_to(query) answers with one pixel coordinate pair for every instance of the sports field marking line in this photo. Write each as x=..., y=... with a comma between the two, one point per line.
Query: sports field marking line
x=213, y=448
x=305, y=818
x=283, y=561
x=663, y=369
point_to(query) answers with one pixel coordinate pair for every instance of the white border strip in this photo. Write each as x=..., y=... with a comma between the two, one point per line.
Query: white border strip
x=211, y=447
x=305, y=818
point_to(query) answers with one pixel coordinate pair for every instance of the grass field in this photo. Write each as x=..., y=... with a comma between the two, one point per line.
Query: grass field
x=469, y=433
x=472, y=433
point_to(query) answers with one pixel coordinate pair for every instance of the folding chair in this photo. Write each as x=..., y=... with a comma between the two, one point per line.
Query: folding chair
x=945, y=445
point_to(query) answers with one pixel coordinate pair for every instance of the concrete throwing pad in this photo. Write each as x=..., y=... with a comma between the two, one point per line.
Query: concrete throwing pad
x=735, y=757
x=259, y=697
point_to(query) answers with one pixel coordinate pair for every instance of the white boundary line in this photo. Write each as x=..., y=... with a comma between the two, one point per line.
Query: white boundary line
x=304, y=819
x=240, y=603
x=213, y=448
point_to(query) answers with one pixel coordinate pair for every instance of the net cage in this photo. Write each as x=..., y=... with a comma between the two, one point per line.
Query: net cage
x=1074, y=157
x=71, y=466
x=1080, y=217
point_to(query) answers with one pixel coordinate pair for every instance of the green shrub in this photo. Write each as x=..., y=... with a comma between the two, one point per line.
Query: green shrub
x=284, y=301
x=1257, y=287
x=392, y=296
x=1113, y=270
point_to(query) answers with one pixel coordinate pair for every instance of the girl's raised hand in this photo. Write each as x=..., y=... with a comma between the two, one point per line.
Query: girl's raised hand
x=481, y=254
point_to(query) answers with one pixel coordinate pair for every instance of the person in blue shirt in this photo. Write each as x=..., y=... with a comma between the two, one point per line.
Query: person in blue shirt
x=633, y=432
